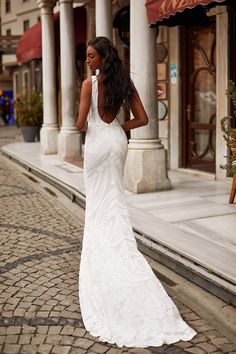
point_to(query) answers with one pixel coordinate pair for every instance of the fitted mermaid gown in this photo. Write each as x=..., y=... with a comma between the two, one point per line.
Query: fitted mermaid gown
x=121, y=299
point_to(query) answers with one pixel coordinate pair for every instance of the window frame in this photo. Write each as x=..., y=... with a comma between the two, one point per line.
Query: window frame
x=27, y=21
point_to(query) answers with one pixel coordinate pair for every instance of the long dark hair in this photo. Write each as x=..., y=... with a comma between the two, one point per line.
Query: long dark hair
x=117, y=84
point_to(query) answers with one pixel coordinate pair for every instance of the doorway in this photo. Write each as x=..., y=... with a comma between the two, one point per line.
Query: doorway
x=199, y=96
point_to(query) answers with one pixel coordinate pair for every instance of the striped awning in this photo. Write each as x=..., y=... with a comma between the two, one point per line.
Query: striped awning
x=157, y=10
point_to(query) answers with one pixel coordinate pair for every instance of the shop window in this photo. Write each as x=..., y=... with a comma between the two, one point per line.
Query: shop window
x=25, y=25
x=8, y=5
x=8, y=32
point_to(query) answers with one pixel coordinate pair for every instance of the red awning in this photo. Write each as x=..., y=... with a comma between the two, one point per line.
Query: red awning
x=157, y=10
x=30, y=44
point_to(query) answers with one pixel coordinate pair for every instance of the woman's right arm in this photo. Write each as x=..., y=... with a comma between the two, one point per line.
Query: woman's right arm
x=85, y=102
x=140, y=116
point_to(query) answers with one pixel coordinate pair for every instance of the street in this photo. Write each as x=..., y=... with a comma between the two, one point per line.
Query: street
x=41, y=240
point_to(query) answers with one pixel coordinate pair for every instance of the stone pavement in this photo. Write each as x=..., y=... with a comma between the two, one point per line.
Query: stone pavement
x=40, y=242
x=190, y=229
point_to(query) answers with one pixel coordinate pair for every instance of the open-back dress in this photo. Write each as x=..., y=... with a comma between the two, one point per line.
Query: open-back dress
x=121, y=299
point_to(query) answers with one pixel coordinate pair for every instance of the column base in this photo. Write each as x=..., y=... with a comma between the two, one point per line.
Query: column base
x=49, y=139
x=146, y=169
x=69, y=145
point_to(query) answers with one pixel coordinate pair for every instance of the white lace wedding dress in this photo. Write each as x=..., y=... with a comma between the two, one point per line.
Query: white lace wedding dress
x=121, y=299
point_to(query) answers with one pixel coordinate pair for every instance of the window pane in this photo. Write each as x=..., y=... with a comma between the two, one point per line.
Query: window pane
x=25, y=25
x=8, y=5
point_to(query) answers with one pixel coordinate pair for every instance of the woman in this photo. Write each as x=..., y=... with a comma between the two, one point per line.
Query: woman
x=121, y=299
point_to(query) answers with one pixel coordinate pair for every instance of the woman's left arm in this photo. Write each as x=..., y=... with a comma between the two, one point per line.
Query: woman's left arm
x=85, y=102
x=140, y=116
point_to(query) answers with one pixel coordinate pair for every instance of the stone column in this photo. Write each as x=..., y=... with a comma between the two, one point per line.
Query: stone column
x=222, y=76
x=69, y=142
x=104, y=18
x=146, y=167
x=49, y=130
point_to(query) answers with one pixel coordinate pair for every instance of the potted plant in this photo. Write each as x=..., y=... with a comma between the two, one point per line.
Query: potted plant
x=228, y=125
x=29, y=114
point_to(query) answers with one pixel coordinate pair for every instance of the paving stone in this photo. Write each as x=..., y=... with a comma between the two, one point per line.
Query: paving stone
x=2, y=339
x=212, y=334
x=209, y=348
x=7, y=314
x=199, y=322
x=19, y=312
x=183, y=344
x=140, y=351
x=44, y=348
x=54, y=329
x=53, y=339
x=12, y=349
x=83, y=343
x=199, y=338
x=219, y=341
x=25, y=338
x=28, y=329
x=99, y=348
x=59, y=349
x=43, y=329
x=79, y=332
x=12, y=338
x=88, y=335
x=228, y=348
x=203, y=328
x=114, y=351
x=67, y=330
x=3, y=330
x=29, y=349
x=78, y=351
x=67, y=340
x=195, y=350
x=38, y=339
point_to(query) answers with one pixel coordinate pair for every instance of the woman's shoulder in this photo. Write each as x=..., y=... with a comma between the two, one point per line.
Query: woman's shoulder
x=87, y=84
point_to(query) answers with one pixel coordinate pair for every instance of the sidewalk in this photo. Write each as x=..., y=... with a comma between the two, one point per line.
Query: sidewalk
x=190, y=229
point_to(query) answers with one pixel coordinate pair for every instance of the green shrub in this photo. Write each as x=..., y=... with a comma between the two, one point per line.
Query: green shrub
x=29, y=109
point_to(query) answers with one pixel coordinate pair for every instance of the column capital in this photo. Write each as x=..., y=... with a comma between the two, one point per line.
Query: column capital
x=46, y=6
x=46, y=3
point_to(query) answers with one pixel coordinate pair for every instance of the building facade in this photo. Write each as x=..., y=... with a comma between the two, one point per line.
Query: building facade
x=16, y=17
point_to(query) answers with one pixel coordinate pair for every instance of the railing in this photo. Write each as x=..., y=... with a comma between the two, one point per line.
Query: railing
x=8, y=44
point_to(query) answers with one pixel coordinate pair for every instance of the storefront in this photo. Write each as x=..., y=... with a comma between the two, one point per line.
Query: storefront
x=198, y=78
